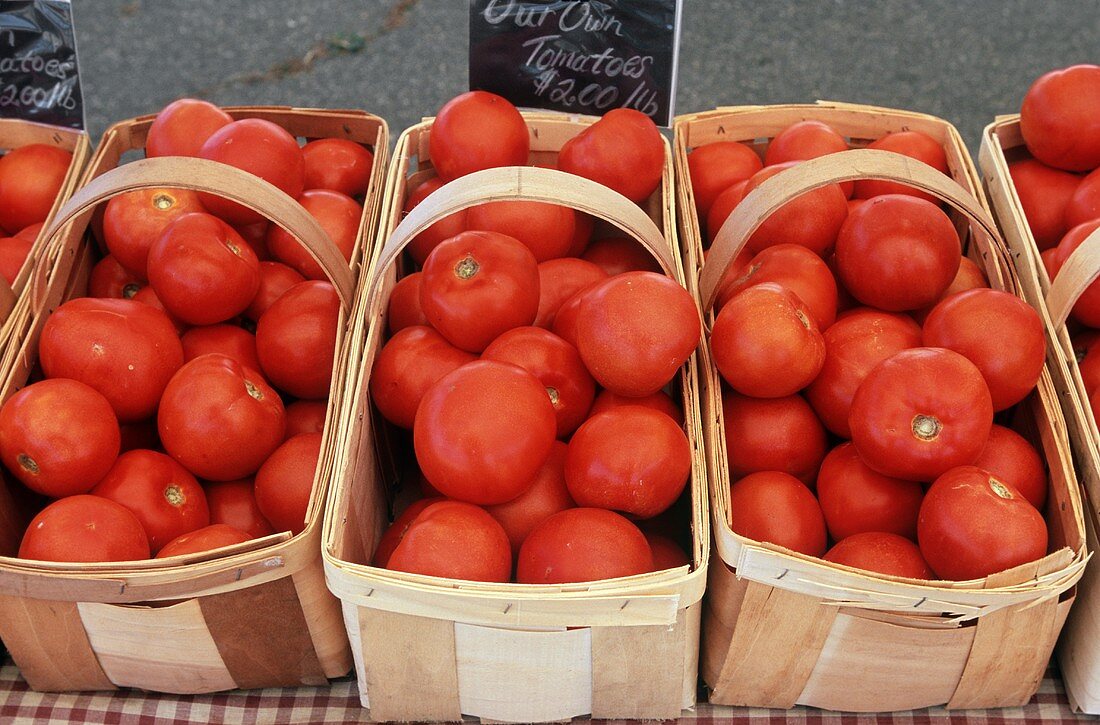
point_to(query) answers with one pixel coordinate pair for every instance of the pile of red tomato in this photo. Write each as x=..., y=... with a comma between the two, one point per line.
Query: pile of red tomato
x=183, y=399
x=530, y=364
x=30, y=180
x=864, y=362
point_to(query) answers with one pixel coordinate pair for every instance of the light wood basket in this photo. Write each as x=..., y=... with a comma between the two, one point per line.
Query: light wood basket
x=257, y=614
x=1002, y=143
x=428, y=648
x=782, y=628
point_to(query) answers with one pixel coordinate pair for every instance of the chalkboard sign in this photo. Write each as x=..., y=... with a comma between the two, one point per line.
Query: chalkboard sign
x=581, y=56
x=38, y=69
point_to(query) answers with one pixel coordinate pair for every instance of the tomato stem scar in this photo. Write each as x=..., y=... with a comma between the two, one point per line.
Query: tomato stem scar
x=926, y=427
x=467, y=268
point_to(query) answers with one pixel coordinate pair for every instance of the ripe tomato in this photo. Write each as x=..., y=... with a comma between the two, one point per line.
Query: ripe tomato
x=776, y=508
x=124, y=349
x=616, y=255
x=220, y=419
x=165, y=497
x=913, y=144
x=635, y=330
x=1086, y=349
x=582, y=545
x=856, y=499
x=296, y=339
x=1084, y=205
x=84, y=529
x=305, y=416
x=582, y=234
x=624, y=151
x=407, y=366
x=256, y=237
x=1010, y=363
x=229, y=340
x=208, y=538
x=547, y=495
x=920, y=413
x=556, y=364
x=722, y=207
x=766, y=344
x=404, y=305
x=275, y=279
x=58, y=437
x=13, y=253
x=806, y=140
x=882, y=553
x=142, y=434
x=183, y=126
x=1087, y=309
x=560, y=279
x=546, y=229
x=477, y=285
x=109, y=280
x=667, y=554
x=659, y=401
x=421, y=246
x=337, y=164
x=454, y=540
x=475, y=131
x=135, y=220
x=855, y=344
x=338, y=214
x=396, y=531
x=898, y=253
x=1010, y=458
x=30, y=178
x=202, y=271
x=973, y=525
x=483, y=431
x=715, y=167
x=1060, y=118
x=569, y=315
x=284, y=482
x=261, y=148
x=795, y=268
x=1044, y=194
x=772, y=434
x=810, y=220
x=148, y=296
x=631, y=459
x=970, y=276
x=234, y=503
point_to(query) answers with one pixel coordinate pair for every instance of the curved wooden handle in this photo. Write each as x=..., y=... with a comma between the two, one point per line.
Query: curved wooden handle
x=852, y=165
x=180, y=172
x=1076, y=275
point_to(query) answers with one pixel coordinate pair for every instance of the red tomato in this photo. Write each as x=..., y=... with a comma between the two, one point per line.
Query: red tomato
x=881, y=553
x=305, y=416
x=556, y=364
x=296, y=339
x=275, y=279
x=1049, y=260
x=1012, y=361
x=547, y=495
x=284, y=482
x=13, y=253
x=30, y=179
x=810, y=220
x=913, y=144
x=920, y=413
x=797, y=269
x=230, y=340
x=776, y=508
x=635, y=330
x=165, y=497
x=582, y=234
x=148, y=296
x=109, y=280
x=560, y=279
x=1060, y=118
x=135, y=220
x=715, y=167
x=483, y=431
x=855, y=344
x=31, y=233
x=581, y=545
x=806, y=140
x=454, y=540
x=667, y=554
x=624, y=151
x=1087, y=309
x=404, y=306
x=208, y=538
x=407, y=367
x=546, y=229
x=475, y=131
x=423, y=244
x=1009, y=457
x=142, y=434
x=616, y=255
x=58, y=437
x=569, y=315
x=772, y=434
x=337, y=164
x=970, y=276
x=261, y=148
x=256, y=237
x=84, y=529
x=124, y=349
x=856, y=499
x=337, y=214
x=898, y=253
x=220, y=419
x=477, y=285
x=1084, y=205
x=396, y=531
x=659, y=401
x=1044, y=194
x=234, y=503
x=183, y=127
x=766, y=344
x=722, y=207
x=202, y=271
x=973, y=525
x=1087, y=351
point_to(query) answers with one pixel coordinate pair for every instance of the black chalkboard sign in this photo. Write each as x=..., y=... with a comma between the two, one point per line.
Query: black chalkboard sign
x=581, y=56
x=38, y=70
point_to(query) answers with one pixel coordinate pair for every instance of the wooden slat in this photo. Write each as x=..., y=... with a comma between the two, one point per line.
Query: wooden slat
x=324, y=620
x=638, y=672
x=48, y=643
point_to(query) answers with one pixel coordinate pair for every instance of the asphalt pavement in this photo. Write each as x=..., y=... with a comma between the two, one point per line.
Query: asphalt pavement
x=964, y=60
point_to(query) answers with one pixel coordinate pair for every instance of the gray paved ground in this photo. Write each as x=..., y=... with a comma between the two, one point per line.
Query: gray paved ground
x=963, y=60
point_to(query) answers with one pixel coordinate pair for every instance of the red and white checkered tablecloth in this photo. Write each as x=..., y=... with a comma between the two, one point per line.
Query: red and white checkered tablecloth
x=339, y=703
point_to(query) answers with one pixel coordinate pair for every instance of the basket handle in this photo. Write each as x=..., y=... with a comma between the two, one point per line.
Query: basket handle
x=179, y=172
x=851, y=165
x=1076, y=275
